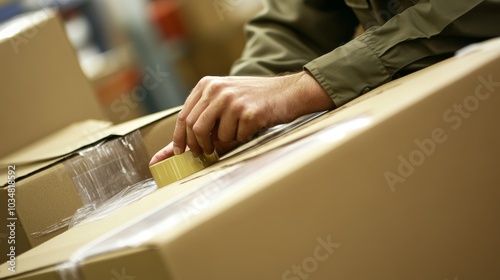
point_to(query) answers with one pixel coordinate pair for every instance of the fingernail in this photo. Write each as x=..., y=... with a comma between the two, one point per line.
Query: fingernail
x=177, y=151
x=196, y=155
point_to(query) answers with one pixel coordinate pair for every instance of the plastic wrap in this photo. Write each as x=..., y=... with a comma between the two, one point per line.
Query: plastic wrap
x=115, y=169
x=101, y=172
x=96, y=211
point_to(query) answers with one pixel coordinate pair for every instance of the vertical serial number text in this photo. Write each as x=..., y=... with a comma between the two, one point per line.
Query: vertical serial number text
x=11, y=217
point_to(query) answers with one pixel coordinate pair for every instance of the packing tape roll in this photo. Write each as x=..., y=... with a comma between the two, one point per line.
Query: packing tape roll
x=179, y=167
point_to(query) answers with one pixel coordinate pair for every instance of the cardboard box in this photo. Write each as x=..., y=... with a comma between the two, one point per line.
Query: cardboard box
x=399, y=184
x=43, y=87
x=45, y=191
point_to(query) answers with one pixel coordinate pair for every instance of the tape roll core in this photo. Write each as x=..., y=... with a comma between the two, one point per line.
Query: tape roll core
x=179, y=167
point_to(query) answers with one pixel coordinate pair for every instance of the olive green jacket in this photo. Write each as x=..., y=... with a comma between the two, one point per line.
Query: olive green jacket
x=401, y=36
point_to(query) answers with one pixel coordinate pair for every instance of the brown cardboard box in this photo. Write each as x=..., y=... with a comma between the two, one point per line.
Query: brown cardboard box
x=45, y=191
x=43, y=87
x=399, y=184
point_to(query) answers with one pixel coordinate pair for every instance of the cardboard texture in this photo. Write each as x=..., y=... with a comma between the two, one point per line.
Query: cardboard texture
x=43, y=87
x=401, y=183
x=45, y=190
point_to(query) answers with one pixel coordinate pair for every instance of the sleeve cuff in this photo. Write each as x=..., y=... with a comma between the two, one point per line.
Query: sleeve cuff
x=349, y=71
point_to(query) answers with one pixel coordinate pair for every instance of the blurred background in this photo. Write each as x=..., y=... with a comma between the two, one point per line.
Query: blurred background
x=147, y=54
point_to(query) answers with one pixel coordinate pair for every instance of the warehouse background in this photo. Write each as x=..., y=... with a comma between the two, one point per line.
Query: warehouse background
x=144, y=56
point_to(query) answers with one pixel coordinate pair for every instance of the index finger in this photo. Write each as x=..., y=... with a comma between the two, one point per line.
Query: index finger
x=179, y=137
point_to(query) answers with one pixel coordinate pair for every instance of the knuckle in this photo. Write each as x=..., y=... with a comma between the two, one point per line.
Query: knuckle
x=201, y=130
x=217, y=87
x=227, y=96
x=237, y=107
x=181, y=116
x=214, y=89
x=205, y=80
x=250, y=114
x=190, y=122
x=198, y=129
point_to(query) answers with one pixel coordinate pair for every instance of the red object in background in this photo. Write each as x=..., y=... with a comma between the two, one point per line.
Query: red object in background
x=165, y=14
x=117, y=85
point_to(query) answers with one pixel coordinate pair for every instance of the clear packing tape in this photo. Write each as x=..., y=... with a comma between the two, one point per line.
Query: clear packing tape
x=221, y=184
x=179, y=167
x=107, y=176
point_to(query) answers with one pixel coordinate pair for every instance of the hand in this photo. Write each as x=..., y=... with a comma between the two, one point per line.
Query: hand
x=233, y=109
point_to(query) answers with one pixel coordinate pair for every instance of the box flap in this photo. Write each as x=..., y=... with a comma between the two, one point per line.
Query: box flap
x=65, y=142
x=59, y=143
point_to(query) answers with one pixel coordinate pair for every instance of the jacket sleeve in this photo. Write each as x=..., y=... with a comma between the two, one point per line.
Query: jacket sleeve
x=421, y=32
x=288, y=34
x=292, y=33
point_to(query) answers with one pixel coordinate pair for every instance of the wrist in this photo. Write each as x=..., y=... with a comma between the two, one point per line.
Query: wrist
x=311, y=94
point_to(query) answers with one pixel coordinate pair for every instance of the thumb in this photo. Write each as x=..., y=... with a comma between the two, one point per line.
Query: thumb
x=163, y=154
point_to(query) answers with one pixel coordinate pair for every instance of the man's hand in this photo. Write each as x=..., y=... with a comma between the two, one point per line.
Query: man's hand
x=233, y=109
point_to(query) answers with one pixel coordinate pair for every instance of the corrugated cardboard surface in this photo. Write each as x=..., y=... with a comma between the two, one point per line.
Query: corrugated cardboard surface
x=45, y=191
x=43, y=87
x=323, y=209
